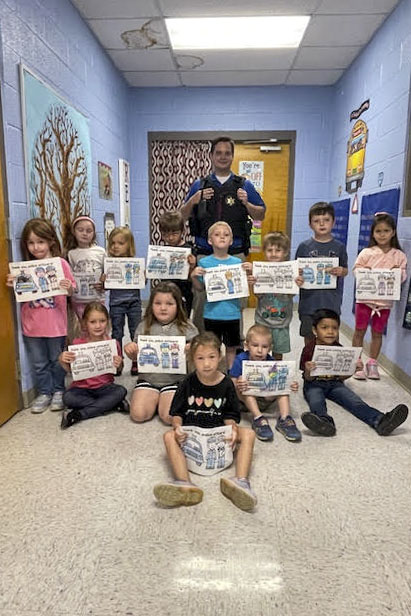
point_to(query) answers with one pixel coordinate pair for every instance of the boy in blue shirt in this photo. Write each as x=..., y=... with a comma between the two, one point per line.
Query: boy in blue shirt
x=322, y=218
x=257, y=345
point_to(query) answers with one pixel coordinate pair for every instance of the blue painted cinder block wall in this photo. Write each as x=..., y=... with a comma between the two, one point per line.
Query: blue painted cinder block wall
x=52, y=40
x=382, y=74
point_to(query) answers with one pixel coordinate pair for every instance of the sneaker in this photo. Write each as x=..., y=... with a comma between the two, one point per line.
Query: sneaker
x=123, y=407
x=288, y=429
x=391, y=420
x=178, y=493
x=262, y=429
x=41, y=403
x=57, y=403
x=239, y=492
x=69, y=418
x=134, y=369
x=371, y=369
x=324, y=426
x=360, y=375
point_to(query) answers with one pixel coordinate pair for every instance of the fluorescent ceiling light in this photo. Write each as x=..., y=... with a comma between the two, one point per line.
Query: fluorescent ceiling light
x=236, y=32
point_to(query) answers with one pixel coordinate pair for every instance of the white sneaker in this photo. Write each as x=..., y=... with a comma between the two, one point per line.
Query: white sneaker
x=41, y=403
x=57, y=403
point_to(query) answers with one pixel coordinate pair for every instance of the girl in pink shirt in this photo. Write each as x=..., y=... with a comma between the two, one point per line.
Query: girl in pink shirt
x=44, y=321
x=383, y=252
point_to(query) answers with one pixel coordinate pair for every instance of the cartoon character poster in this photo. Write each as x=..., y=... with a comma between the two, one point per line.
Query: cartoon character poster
x=168, y=262
x=268, y=378
x=162, y=354
x=315, y=272
x=377, y=284
x=37, y=279
x=105, y=181
x=335, y=360
x=356, y=156
x=274, y=277
x=93, y=359
x=124, y=273
x=207, y=450
x=226, y=282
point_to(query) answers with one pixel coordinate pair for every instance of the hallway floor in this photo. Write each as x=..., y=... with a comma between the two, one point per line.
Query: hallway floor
x=81, y=534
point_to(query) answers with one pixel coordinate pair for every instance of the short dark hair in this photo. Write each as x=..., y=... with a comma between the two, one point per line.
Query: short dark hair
x=222, y=139
x=325, y=313
x=204, y=339
x=388, y=220
x=277, y=238
x=321, y=208
x=171, y=221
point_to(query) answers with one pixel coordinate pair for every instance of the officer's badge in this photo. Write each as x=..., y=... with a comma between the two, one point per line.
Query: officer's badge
x=230, y=200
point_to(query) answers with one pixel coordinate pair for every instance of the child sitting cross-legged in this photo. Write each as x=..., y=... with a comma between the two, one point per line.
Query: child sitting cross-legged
x=258, y=345
x=317, y=389
x=207, y=399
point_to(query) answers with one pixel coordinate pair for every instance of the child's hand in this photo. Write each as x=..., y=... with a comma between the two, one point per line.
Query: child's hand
x=251, y=279
x=99, y=286
x=242, y=384
x=299, y=281
x=248, y=267
x=234, y=435
x=10, y=280
x=103, y=278
x=310, y=366
x=191, y=261
x=205, y=193
x=67, y=285
x=131, y=350
x=197, y=272
x=187, y=348
x=117, y=361
x=242, y=195
x=294, y=385
x=180, y=435
x=336, y=271
x=67, y=357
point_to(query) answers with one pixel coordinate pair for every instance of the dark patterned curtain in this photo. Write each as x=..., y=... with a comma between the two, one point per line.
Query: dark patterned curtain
x=174, y=167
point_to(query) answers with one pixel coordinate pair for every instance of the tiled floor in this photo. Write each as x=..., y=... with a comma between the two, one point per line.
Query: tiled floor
x=81, y=535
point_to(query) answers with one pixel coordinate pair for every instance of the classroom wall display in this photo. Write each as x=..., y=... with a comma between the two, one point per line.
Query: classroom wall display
x=207, y=450
x=273, y=277
x=124, y=191
x=57, y=154
x=37, y=279
x=377, y=284
x=226, y=282
x=313, y=270
x=356, y=145
x=161, y=354
x=109, y=225
x=335, y=360
x=124, y=273
x=268, y=378
x=167, y=262
x=105, y=181
x=93, y=359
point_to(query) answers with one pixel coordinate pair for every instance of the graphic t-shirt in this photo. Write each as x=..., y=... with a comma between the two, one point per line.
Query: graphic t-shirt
x=274, y=310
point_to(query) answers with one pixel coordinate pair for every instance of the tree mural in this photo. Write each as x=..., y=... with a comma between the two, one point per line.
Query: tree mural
x=59, y=176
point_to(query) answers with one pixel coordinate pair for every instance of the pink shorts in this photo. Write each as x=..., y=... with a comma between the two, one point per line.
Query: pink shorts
x=378, y=321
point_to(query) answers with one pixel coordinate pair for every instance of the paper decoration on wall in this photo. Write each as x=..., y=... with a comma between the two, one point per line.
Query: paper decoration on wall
x=356, y=156
x=109, y=225
x=168, y=262
x=37, y=279
x=315, y=274
x=354, y=206
x=272, y=277
x=334, y=360
x=407, y=312
x=124, y=273
x=380, y=178
x=124, y=191
x=355, y=114
x=226, y=282
x=207, y=450
x=161, y=354
x=268, y=378
x=93, y=359
x=377, y=284
x=105, y=181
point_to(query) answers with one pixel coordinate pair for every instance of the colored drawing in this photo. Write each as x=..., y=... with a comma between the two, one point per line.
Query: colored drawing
x=207, y=450
x=335, y=360
x=268, y=378
x=274, y=277
x=162, y=354
x=93, y=359
x=167, y=262
x=37, y=279
x=124, y=273
x=377, y=284
x=315, y=272
x=226, y=282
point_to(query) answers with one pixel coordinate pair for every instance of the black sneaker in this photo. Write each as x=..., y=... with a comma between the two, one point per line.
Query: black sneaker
x=318, y=424
x=123, y=407
x=391, y=420
x=69, y=418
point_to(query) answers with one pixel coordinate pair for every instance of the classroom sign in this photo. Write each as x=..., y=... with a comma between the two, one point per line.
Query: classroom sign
x=37, y=279
x=268, y=378
x=207, y=450
x=272, y=277
x=124, y=273
x=162, y=354
x=226, y=282
x=93, y=359
x=168, y=262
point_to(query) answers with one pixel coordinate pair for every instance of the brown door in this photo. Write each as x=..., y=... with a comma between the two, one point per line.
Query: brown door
x=9, y=386
x=274, y=191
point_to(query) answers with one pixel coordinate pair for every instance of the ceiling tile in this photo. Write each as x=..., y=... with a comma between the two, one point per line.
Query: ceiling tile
x=116, y=8
x=313, y=78
x=233, y=78
x=228, y=8
x=150, y=33
x=325, y=57
x=273, y=59
x=143, y=60
x=331, y=7
x=152, y=79
x=341, y=30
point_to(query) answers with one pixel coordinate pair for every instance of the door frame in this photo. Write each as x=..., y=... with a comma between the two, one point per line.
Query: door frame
x=281, y=136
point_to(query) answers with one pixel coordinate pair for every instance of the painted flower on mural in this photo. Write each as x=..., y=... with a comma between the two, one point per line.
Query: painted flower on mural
x=59, y=175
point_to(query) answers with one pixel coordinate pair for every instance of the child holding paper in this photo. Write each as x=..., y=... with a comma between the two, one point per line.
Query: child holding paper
x=207, y=399
x=317, y=389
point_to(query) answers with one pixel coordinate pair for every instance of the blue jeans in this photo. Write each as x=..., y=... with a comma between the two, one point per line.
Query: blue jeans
x=94, y=402
x=43, y=355
x=316, y=393
x=118, y=314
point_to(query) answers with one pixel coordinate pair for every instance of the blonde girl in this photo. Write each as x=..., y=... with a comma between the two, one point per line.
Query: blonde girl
x=164, y=316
